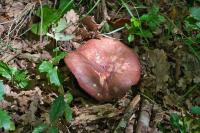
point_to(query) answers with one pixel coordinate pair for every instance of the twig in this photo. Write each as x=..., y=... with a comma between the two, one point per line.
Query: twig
x=127, y=115
x=104, y=9
x=144, y=119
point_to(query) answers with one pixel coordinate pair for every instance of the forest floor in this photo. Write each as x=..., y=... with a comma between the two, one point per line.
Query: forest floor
x=164, y=34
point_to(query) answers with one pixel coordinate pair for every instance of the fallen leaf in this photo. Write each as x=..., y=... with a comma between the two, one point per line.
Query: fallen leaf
x=90, y=23
x=120, y=22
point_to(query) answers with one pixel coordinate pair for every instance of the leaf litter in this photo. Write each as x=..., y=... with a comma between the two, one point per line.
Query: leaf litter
x=168, y=81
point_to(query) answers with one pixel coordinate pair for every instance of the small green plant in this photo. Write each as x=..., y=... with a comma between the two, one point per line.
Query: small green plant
x=17, y=77
x=50, y=16
x=192, y=27
x=50, y=68
x=189, y=123
x=5, y=119
x=60, y=107
x=145, y=25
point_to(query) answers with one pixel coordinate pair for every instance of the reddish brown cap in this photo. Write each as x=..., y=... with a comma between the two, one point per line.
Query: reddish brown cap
x=105, y=68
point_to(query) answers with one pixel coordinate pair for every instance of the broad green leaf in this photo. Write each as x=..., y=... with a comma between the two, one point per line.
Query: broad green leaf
x=38, y=29
x=57, y=109
x=40, y=128
x=67, y=112
x=49, y=16
x=66, y=5
x=53, y=130
x=1, y=90
x=195, y=110
x=5, y=121
x=195, y=12
x=53, y=76
x=5, y=70
x=46, y=66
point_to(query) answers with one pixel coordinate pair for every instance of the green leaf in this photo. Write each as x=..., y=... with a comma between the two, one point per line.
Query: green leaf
x=21, y=79
x=52, y=72
x=1, y=90
x=46, y=66
x=135, y=22
x=53, y=130
x=53, y=76
x=60, y=55
x=68, y=97
x=131, y=37
x=5, y=121
x=195, y=12
x=40, y=128
x=152, y=19
x=49, y=16
x=66, y=5
x=145, y=34
x=38, y=29
x=67, y=112
x=57, y=109
x=12, y=73
x=195, y=110
x=174, y=119
x=5, y=70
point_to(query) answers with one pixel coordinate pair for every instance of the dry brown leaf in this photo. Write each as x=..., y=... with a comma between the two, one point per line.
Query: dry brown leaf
x=90, y=23
x=119, y=22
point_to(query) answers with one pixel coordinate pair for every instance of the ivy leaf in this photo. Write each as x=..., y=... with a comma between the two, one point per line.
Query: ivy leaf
x=40, y=128
x=1, y=90
x=57, y=109
x=195, y=110
x=5, y=121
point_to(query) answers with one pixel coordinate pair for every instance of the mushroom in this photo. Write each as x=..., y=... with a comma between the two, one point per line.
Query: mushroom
x=104, y=68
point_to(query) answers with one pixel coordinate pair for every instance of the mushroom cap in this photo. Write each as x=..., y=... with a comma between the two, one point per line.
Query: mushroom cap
x=105, y=68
